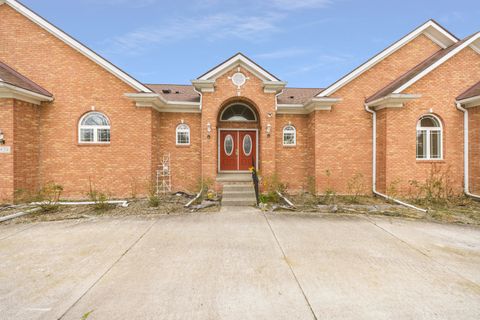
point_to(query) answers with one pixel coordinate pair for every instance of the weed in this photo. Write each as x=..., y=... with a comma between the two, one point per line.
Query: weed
x=86, y=315
x=49, y=195
x=311, y=187
x=330, y=195
x=271, y=184
x=356, y=187
x=153, y=198
x=99, y=198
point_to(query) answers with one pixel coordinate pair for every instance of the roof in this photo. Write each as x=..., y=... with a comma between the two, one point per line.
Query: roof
x=471, y=92
x=431, y=29
x=421, y=69
x=238, y=58
x=12, y=77
x=186, y=93
x=67, y=39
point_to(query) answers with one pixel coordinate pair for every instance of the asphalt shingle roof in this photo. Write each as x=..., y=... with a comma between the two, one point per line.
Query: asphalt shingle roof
x=14, y=78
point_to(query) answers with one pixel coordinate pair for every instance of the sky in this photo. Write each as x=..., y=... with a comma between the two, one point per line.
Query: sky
x=308, y=43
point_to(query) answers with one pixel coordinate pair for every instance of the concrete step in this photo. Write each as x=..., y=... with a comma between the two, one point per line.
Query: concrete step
x=234, y=177
x=238, y=194
x=237, y=187
x=239, y=202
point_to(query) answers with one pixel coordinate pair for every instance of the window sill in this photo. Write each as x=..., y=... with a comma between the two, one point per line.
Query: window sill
x=182, y=145
x=93, y=144
x=431, y=161
x=289, y=145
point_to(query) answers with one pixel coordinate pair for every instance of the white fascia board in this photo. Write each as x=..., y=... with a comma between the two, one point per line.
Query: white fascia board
x=314, y=104
x=428, y=26
x=204, y=85
x=239, y=58
x=291, y=109
x=12, y=92
x=393, y=100
x=77, y=45
x=273, y=86
x=470, y=102
x=157, y=102
x=438, y=63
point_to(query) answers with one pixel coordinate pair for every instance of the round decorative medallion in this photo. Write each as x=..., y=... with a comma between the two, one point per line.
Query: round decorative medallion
x=239, y=79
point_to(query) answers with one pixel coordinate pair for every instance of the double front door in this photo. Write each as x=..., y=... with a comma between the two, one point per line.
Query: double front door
x=237, y=150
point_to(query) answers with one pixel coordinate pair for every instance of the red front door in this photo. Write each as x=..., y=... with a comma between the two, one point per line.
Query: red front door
x=238, y=150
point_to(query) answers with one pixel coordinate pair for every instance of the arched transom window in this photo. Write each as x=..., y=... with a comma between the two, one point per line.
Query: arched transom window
x=429, y=138
x=94, y=127
x=238, y=112
x=183, y=134
x=289, y=135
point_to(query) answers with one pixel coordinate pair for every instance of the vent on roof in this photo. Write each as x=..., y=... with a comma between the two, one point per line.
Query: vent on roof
x=291, y=97
x=177, y=92
x=166, y=91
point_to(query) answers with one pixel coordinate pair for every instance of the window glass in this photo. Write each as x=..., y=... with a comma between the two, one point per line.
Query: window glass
x=429, y=138
x=94, y=127
x=183, y=134
x=247, y=145
x=238, y=112
x=289, y=135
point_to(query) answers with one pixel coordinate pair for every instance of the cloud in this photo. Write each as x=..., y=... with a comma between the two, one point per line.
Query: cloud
x=283, y=53
x=210, y=27
x=299, y=4
x=320, y=61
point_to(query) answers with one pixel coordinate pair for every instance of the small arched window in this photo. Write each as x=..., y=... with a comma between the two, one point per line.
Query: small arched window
x=183, y=134
x=94, y=127
x=429, y=138
x=289, y=135
x=238, y=112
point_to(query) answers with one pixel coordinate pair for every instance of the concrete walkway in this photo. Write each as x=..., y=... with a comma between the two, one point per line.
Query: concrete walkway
x=240, y=264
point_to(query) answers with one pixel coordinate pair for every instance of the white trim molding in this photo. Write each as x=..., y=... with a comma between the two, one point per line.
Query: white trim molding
x=314, y=104
x=452, y=53
x=12, y=92
x=273, y=86
x=469, y=102
x=157, y=102
x=20, y=8
x=393, y=100
x=238, y=60
x=204, y=85
x=430, y=28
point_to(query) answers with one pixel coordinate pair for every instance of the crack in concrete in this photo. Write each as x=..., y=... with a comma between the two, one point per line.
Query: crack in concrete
x=421, y=252
x=109, y=268
x=290, y=267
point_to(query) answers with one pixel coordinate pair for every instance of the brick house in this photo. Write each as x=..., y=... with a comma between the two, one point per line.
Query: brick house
x=68, y=115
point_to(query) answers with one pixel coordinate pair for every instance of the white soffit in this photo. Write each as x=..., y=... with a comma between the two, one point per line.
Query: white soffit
x=238, y=59
x=76, y=45
x=430, y=29
x=475, y=40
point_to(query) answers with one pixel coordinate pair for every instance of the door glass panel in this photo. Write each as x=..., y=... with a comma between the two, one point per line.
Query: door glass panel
x=228, y=145
x=247, y=145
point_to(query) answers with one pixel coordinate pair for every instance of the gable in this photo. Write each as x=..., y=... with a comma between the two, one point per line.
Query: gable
x=117, y=72
x=430, y=29
x=237, y=60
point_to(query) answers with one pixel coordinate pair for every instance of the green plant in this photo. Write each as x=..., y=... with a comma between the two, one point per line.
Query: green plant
x=330, y=195
x=99, y=198
x=392, y=189
x=271, y=185
x=153, y=198
x=356, y=187
x=204, y=185
x=49, y=195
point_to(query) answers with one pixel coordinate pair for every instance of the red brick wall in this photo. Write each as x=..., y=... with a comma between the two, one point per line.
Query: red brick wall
x=184, y=160
x=6, y=160
x=474, y=150
x=381, y=151
x=26, y=149
x=438, y=91
x=344, y=136
x=291, y=161
x=78, y=84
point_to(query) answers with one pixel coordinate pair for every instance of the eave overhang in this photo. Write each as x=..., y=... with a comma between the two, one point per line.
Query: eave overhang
x=157, y=102
x=314, y=104
x=13, y=92
x=393, y=100
x=273, y=86
x=204, y=85
x=470, y=102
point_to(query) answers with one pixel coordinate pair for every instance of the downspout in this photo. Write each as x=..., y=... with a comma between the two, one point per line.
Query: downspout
x=466, y=178
x=374, y=165
x=201, y=151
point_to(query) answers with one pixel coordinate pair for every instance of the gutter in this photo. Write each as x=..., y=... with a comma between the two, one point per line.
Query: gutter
x=466, y=178
x=201, y=146
x=374, y=166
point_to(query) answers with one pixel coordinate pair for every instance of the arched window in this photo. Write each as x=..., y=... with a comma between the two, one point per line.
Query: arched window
x=183, y=134
x=94, y=127
x=289, y=135
x=238, y=112
x=429, y=138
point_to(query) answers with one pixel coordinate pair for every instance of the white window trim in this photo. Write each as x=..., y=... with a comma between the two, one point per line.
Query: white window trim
x=294, y=136
x=428, y=130
x=95, y=129
x=238, y=103
x=187, y=131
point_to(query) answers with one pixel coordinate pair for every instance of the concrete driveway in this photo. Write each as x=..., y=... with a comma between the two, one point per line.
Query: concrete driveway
x=239, y=265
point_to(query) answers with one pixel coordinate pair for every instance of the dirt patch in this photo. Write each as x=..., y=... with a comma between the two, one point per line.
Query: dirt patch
x=171, y=204
x=459, y=210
